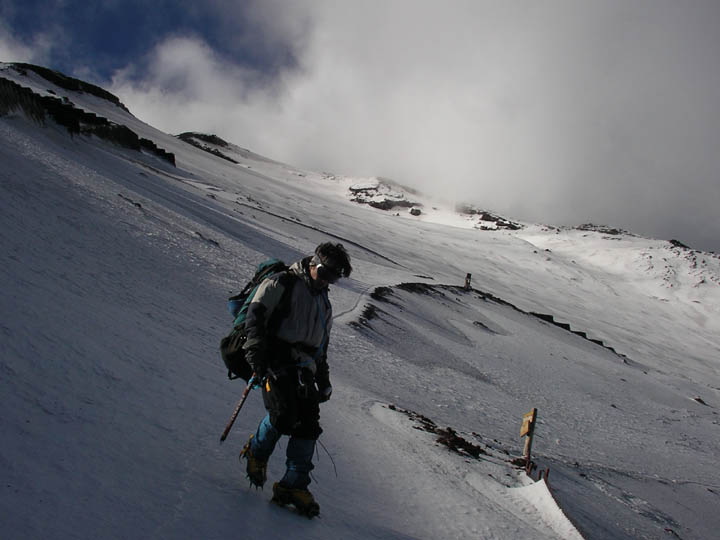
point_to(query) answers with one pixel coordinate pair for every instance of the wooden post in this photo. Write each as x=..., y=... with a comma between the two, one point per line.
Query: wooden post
x=528, y=431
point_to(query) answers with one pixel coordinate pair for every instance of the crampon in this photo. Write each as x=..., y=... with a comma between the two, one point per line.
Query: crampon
x=256, y=468
x=301, y=499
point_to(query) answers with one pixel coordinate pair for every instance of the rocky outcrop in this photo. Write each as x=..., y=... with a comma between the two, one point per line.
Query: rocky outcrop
x=487, y=221
x=604, y=229
x=68, y=83
x=679, y=244
x=490, y=221
x=380, y=195
x=77, y=121
x=197, y=140
x=190, y=136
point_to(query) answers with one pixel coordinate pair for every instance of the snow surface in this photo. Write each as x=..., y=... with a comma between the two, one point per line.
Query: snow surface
x=116, y=268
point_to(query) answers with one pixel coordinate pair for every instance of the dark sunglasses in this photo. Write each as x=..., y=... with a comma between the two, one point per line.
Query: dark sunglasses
x=327, y=274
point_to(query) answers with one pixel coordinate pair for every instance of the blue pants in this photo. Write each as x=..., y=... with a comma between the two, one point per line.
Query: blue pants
x=299, y=454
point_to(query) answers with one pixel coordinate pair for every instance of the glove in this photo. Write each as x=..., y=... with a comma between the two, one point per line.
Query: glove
x=325, y=393
x=256, y=358
x=256, y=381
x=259, y=370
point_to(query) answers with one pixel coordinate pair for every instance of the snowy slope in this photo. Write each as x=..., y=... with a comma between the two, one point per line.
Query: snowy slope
x=116, y=267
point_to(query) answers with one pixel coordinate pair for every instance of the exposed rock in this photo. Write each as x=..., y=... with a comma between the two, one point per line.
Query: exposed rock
x=68, y=83
x=195, y=138
x=447, y=437
x=604, y=229
x=415, y=211
x=419, y=288
x=381, y=293
x=678, y=243
x=489, y=221
x=379, y=194
x=77, y=121
x=188, y=136
x=387, y=204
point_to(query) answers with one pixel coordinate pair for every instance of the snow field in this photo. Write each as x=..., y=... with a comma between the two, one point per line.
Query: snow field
x=116, y=268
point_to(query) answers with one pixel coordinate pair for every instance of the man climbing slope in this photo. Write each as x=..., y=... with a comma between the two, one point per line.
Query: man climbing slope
x=288, y=328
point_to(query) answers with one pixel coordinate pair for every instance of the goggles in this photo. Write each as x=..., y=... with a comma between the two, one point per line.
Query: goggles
x=327, y=273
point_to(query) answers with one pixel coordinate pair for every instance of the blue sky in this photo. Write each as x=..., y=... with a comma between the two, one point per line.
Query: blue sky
x=560, y=112
x=105, y=36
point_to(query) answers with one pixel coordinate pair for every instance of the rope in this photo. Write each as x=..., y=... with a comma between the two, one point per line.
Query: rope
x=329, y=455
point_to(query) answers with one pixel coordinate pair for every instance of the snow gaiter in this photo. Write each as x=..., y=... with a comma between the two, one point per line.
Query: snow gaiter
x=299, y=463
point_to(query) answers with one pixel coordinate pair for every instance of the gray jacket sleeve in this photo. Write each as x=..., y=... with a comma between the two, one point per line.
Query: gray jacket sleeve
x=263, y=304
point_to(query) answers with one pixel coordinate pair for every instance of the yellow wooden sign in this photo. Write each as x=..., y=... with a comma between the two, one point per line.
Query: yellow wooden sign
x=528, y=422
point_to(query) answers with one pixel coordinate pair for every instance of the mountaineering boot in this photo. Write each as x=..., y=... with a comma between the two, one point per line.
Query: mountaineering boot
x=302, y=499
x=256, y=468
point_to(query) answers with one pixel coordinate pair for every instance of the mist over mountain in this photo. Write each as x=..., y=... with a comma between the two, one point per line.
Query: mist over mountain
x=561, y=113
x=121, y=244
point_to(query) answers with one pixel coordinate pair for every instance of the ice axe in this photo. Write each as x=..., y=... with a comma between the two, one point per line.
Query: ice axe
x=245, y=394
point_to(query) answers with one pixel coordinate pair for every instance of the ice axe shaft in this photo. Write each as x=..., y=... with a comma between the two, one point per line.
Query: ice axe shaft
x=235, y=413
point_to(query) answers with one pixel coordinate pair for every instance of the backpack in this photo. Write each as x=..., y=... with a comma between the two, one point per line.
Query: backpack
x=231, y=346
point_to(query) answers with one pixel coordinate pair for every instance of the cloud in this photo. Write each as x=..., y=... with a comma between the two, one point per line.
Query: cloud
x=11, y=49
x=186, y=85
x=558, y=112
x=35, y=47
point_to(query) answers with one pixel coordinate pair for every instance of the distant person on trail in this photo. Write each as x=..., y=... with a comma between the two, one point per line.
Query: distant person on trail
x=289, y=359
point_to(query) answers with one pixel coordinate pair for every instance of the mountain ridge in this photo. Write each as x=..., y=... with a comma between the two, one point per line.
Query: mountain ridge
x=379, y=192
